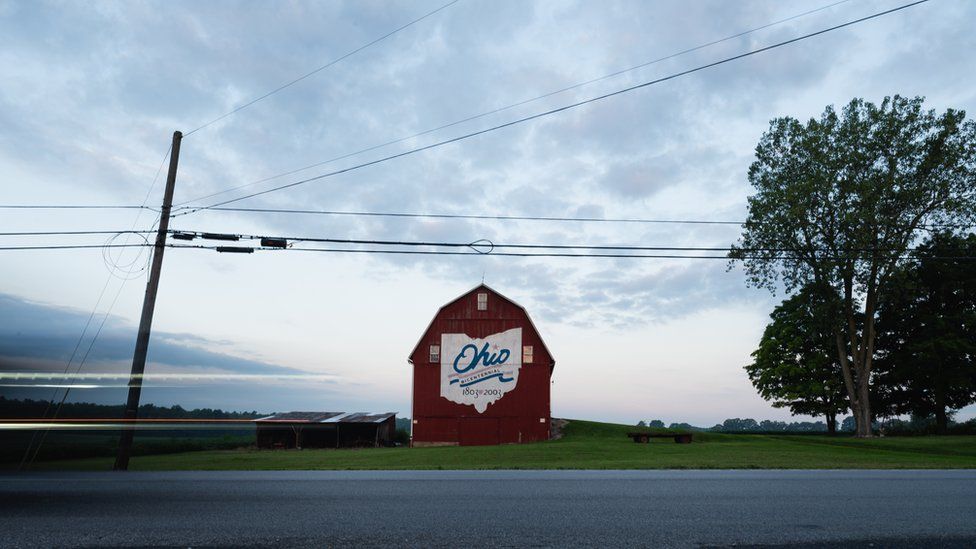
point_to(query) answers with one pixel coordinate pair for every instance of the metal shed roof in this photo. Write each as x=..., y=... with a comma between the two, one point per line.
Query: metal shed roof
x=328, y=417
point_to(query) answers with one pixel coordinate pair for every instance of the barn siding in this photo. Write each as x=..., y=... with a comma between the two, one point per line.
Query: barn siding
x=512, y=419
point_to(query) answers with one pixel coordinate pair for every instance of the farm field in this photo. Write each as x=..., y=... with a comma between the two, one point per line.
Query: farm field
x=587, y=445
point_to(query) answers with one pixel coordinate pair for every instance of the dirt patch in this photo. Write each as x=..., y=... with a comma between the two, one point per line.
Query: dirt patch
x=556, y=426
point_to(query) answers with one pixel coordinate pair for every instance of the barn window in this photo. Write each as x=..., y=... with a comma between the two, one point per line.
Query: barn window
x=435, y=353
x=527, y=354
x=482, y=302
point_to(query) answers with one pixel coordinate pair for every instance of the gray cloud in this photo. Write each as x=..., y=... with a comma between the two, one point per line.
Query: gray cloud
x=45, y=334
x=642, y=178
x=35, y=337
x=92, y=92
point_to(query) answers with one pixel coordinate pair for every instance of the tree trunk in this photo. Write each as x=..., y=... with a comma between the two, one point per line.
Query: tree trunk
x=855, y=355
x=941, y=417
x=862, y=353
x=860, y=402
x=863, y=413
x=867, y=354
x=845, y=367
x=831, y=424
x=941, y=421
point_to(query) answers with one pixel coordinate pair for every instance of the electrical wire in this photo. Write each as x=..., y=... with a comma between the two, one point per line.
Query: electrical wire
x=73, y=207
x=71, y=233
x=519, y=217
x=554, y=254
x=67, y=390
x=480, y=244
x=479, y=217
x=67, y=366
x=24, y=461
x=519, y=103
x=130, y=270
x=323, y=67
x=557, y=110
x=72, y=247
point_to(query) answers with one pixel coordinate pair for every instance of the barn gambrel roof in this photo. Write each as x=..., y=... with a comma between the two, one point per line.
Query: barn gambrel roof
x=552, y=364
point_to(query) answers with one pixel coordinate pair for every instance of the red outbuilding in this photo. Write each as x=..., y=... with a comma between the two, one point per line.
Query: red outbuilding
x=481, y=375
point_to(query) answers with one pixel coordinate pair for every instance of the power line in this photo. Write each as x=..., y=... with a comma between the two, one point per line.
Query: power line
x=480, y=244
x=67, y=366
x=481, y=217
x=323, y=67
x=192, y=235
x=72, y=247
x=470, y=254
x=553, y=255
x=558, y=110
x=477, y=245
x=518, y=217
x=519, y=103
x=73, y=207
x=473, y=245
x=91, y=344
x=70, y=233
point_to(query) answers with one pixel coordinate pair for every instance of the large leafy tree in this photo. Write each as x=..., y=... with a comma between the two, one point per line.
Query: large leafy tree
x=927, y=330
x=840, y=201
x=796, y=365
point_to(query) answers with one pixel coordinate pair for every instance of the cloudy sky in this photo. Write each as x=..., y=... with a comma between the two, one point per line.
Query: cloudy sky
x=92, y=92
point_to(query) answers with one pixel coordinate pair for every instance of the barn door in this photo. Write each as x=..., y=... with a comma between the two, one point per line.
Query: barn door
x=478, y=431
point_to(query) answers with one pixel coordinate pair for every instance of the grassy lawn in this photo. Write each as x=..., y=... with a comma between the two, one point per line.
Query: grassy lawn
x=589, y=445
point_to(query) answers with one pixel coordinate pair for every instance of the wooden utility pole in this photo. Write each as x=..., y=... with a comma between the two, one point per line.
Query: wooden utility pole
x=148, y=306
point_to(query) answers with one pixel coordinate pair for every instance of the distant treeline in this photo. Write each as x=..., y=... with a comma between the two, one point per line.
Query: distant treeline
x=72, y=444
x=913, y=426
x=27, y=408
x=738, y=425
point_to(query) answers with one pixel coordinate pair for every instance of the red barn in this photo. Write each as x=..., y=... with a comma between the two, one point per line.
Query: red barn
x=481, y=375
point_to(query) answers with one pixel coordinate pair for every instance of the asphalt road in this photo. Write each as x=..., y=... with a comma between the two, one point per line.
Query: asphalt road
x=491, y=508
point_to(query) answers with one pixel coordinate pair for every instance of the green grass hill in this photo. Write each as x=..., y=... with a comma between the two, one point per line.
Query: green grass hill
x=590, y=445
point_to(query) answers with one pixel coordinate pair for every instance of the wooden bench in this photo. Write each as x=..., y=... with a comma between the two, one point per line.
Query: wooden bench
x=679, y=438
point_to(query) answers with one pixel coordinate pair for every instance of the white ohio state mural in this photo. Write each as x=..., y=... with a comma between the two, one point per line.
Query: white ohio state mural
x=478, y=372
